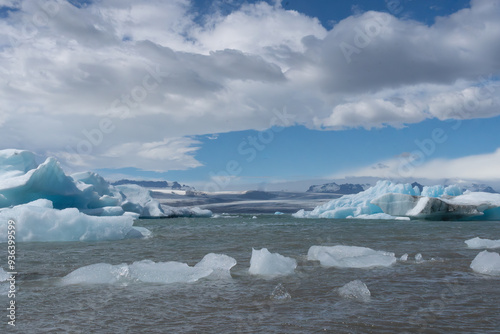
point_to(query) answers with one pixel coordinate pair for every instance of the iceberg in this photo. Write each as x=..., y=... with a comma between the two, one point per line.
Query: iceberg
x=478, y=243
x=388, y=200
x=151, y=272
x=358, y=204
x=350, y=257
x=265, y=263
x=355, y=290
x=39, y=221
x=22, y=181
x=139, y=200
x=487, y=263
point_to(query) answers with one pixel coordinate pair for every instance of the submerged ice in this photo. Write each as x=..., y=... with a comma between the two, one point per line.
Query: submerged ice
x=152, y=272
x=350, y=257
x=355, y=290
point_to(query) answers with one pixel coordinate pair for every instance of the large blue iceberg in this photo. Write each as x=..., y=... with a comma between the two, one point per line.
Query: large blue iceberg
x=388, y=200
x=49, y=205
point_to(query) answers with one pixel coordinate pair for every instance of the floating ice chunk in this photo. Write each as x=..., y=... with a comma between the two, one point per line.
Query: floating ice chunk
x=166, y=272
x=139, y=232
x=266, y=263
x=280, y=294
x=487, y=263
x=278, y=213
x=221, y=264
x=404, y=257
x=254, y=217
x=99, y=273
x=37, y=221
x=419, y=258
x=355, y=290
x=150, y=272
x=350, y=257
x=478, y=243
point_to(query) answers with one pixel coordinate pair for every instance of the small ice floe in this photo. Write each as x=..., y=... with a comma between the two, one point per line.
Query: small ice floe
x=355, y=290
x=478, y=243
x=350, y=257
x=254, y=217
x=265, y=263
x=404, y=257
x=487, y=263
x=151, y=272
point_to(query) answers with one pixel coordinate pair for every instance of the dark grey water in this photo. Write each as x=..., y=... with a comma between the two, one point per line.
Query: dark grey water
x=437, y=296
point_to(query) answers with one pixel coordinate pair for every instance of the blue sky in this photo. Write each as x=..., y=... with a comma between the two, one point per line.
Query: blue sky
x=190, y=90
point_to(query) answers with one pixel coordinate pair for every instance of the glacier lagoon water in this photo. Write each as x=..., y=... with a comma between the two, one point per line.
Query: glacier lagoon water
x=437, y=294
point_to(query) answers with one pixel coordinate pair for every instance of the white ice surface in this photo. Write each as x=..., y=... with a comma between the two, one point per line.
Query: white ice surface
x=151, y=272
x=478, y=243
x=139, y=200
x=487, y=263
x=265, y=263
x=350, y=257
x=38, y=221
